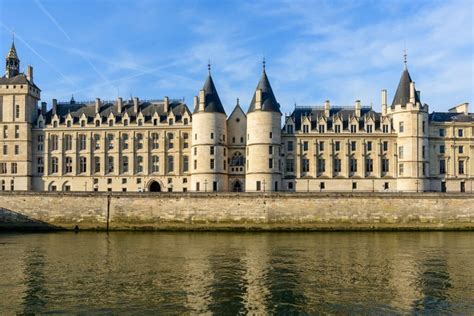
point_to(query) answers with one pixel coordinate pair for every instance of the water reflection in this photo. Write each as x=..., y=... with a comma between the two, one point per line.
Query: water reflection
x=227, y=273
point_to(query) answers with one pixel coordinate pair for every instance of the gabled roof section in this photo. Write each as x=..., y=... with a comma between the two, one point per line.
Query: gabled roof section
x=269, y=102
x=402, y=96
x=212, y=101
x=236, y=110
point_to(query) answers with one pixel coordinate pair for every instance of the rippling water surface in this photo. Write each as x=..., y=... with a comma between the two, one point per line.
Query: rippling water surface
x=237, y=273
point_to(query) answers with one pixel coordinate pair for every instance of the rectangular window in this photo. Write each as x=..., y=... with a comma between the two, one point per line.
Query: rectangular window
x=54, y=142
x=305, y=128
x=321, y=146
x=321, y=165
x=125, y=141
x=185, y=163
x=290, y=165
x=353, y=128
x=211, y=150
x=17, y=111
x=337, y=146
x=195, y=164
x=369, y=165
x=259, y=186
x=82, y=164
x=270, y=163
x=271, y=135
x=68, y=164
x=97, y=141
x=422, y=151
x=289, y=129
x=305, y=165
x=337, y=128
x=423, y=126
x=17, y=149
x=96, y=164
x=40, y=165
x=400, y=152
x=5, y=131
x=385, y=165
x=212, y=164
x=139, y=139
x=305, y=146
x=5, y=149
x=290, y=146
x=17, y=131
x=14, y=168
x=214, y=186
x=369, y=146
x=110, y=141
x=110, y=164
x=385, y=146
x=82, y=142
x=3, y=167
x=353, y=146
x=442, y=149
x=461, y=149
x=337, y=165
x=401, y=127
x=353, y=165
x=155, y=164
x=369, y=128
x=442, y=132
x=461, y=167
x=270, y=150
x=67, y=142
x=385, y=128
x=170, y=164
x=460, y=132
x=139, y=164
x=400, y=169
x=321, y=128
x=442, y=166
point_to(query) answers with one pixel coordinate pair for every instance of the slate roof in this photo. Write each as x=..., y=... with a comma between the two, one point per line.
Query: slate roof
x=344, y=113
x=212, y=101
x=12, y=52
x=18, y=79
x=147, y=108
x=402, y=96
x=269, y=102
x=451, y=117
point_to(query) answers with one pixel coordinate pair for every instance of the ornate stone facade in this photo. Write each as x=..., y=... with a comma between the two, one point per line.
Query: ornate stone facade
x=160, y=145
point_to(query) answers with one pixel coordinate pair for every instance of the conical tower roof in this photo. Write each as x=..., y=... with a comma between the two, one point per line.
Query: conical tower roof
x=269, y=102
x=212, y=101
x=402, y=96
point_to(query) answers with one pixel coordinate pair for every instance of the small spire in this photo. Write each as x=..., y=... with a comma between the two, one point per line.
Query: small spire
x=237, y=101
x=209, y=66
x=405, y=58
x=263, y=63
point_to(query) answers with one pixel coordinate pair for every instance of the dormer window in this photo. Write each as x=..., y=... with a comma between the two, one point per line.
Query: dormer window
x=305, y=128
x=83, y=123
x=68, y=123
x=321, y=128
x=170, y=122
x=155, y=122
x=185, y=121
x=97, y=123
x=353, y=128
x=125, y=122
x=111, y=123
x=55, y=123
x=289, y=129
x=337, y=128
x=369, y=128
x=140, y=122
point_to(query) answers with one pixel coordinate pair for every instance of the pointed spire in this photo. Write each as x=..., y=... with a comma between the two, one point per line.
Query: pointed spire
x=402, y=95
x=12, y=65
x=263, y=64
x=238, y=102
x=212, y=102
x=269, y=102
x=209, y=67
x=405, y=58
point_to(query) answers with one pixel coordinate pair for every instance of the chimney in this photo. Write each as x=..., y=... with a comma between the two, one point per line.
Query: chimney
x=384, y=102
x=412, y=92
x=119, y=105
x=327, y=107
x=43, y=108
x=55, y=106
x=97, y=105
x=357, y=108
x=135, y=105
x=196, y=103
x=166, y=107
x=29, y=73
x=258, y=99
x=202, y=100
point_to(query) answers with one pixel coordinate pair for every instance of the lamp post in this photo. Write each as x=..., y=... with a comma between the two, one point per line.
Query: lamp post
x=264, y=185
x=416, y=185
x=373, y=185
x=205, y=185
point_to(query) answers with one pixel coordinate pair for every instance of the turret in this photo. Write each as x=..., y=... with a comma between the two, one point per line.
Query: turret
x=410, y=121
x=209, y=141
x=263, y=165
x=12, y=65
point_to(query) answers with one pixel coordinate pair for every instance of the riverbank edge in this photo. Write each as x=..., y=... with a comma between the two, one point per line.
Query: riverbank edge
x=237, y=212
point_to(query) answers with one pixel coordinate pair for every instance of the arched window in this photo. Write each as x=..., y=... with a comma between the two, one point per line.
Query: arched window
x=155, y=164
x=82, y=164
x=68, y=165
x=54, y=165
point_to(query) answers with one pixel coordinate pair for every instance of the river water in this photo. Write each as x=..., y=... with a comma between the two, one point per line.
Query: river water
x=237, y=273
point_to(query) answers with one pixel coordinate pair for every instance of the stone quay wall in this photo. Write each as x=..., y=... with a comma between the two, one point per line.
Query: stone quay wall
x=232, y=211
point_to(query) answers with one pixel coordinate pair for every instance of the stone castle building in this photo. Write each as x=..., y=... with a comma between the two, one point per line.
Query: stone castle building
x=162, y=145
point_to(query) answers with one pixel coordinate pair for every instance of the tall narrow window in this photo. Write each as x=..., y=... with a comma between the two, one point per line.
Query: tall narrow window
x=155, y=164
x=82, y=164
x=186, y=163
x=170, y=165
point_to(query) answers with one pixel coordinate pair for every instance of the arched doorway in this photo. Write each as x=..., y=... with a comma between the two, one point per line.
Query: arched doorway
x=154, y=187
x=237, y=186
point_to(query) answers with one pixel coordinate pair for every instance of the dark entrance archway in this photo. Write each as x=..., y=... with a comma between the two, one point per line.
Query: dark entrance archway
x=154, y=187
x=237, y=186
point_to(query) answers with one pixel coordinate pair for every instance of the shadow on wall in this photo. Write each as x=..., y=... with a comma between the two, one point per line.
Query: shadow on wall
x=14, y=221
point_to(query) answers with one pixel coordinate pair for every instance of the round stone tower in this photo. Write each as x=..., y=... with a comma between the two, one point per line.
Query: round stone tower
x=209, y=141
x=263, y=165
x=411, y=123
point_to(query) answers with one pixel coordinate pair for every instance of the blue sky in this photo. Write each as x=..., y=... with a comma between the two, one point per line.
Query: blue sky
x=315, y=50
